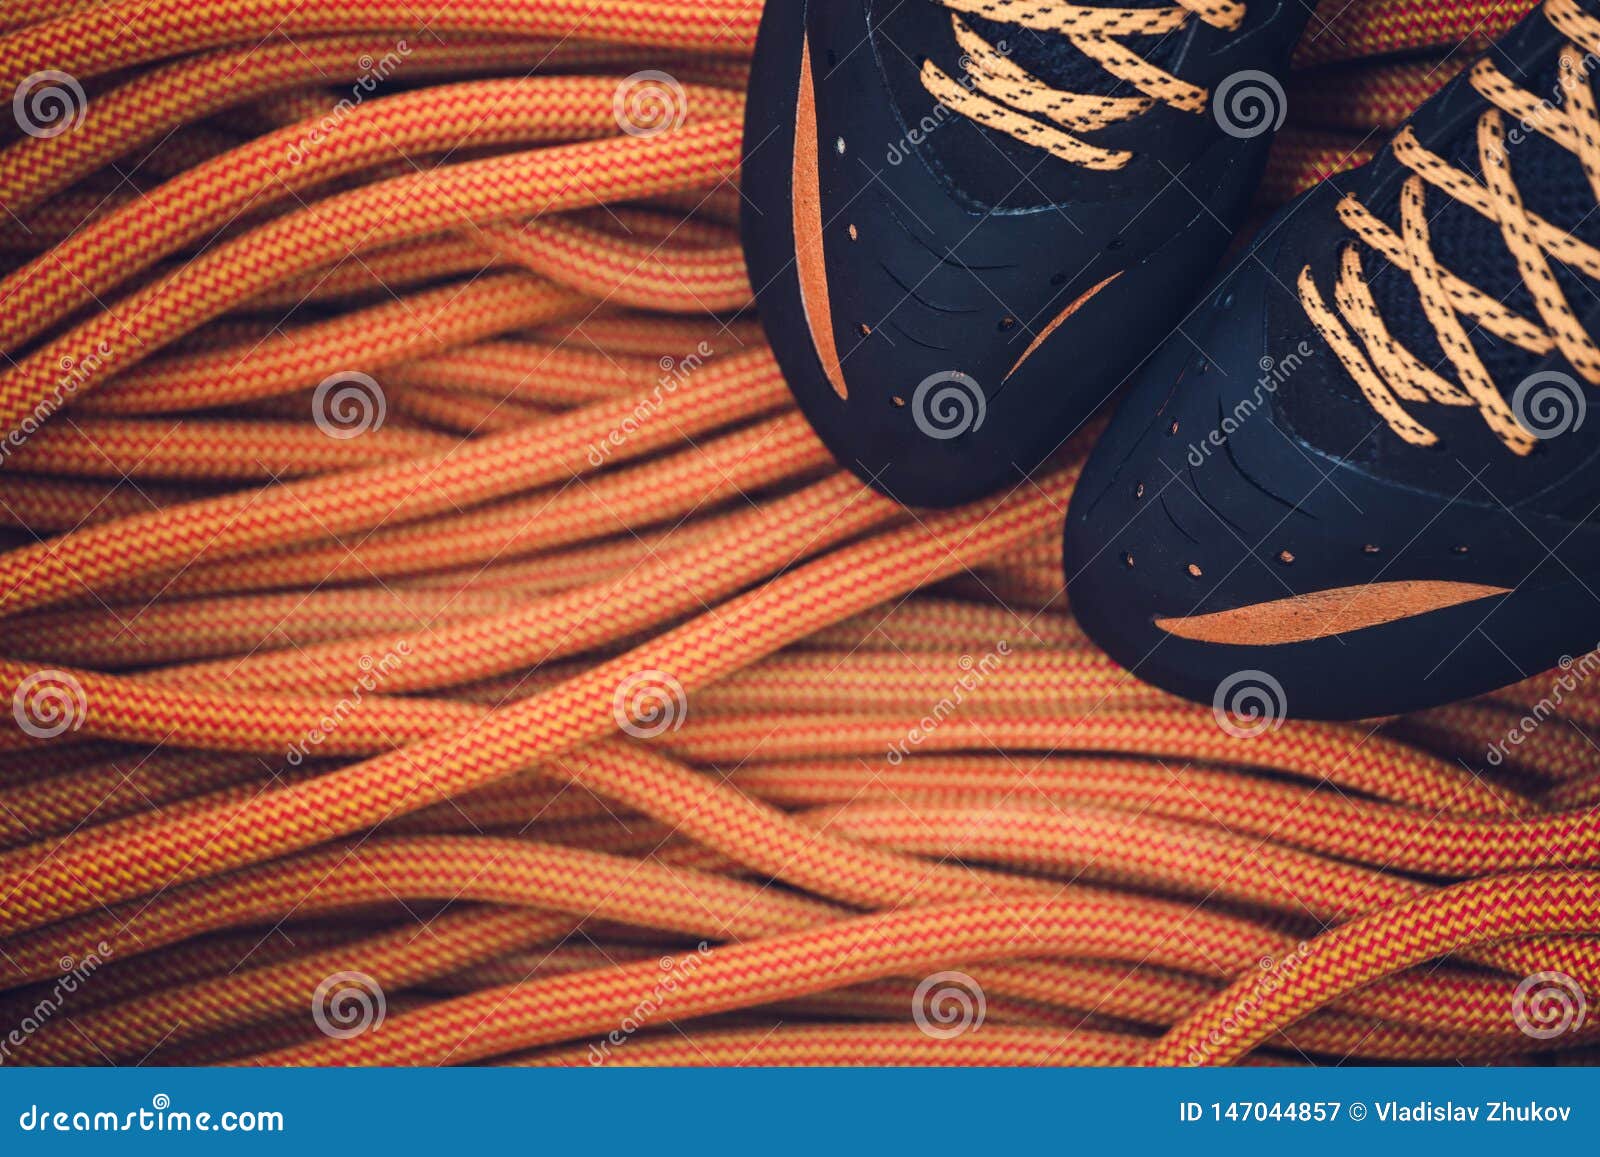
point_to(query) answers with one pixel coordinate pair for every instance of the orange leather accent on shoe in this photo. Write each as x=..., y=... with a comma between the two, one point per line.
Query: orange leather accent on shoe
x=808, y=252
x=1055, y=322
x=1322, y=614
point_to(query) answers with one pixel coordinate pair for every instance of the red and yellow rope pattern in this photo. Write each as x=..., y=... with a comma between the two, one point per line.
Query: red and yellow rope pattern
x=420, y=597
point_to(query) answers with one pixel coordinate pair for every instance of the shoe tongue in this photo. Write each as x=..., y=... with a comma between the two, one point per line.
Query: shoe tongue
x=1552, y=184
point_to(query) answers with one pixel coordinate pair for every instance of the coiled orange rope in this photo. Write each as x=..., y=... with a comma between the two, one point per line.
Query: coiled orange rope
x=416, y=584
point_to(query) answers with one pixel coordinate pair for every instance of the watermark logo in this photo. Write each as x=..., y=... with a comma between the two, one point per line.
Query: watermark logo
x=650, y=703
x=374, y=672
x=348, y=405
x=1549, y=1004
x=675, y=972
x=949, y=1004
x=74, y=974
x=1573, y=74
x=919, y=132
x=348, y=1004
x=49, y=103
x=948, y=404
x=1574, y=673
x=675, y=372
x=375, y=72
x=1549, y=404
x=49, y=703
x=974, y=673
x=1272, y=974
x=1250, y=103
x=1275, y=372
x=1248, y=704
x=74, y=373
x=649, y=103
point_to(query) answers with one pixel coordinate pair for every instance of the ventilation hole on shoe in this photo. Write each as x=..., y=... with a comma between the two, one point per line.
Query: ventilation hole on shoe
x=1127, y=560
x=1226, y=300
x=864, y=329
x=1458, y=550
x=1138, y=491
x=838, y=146
x=1195, y=571
x=1369, y=549
x=853, y=234
x=1007, y=323
x=1285, y=557
x=898, y=401
x=1172, y=429
x=1202, y=366
x=1115, y=243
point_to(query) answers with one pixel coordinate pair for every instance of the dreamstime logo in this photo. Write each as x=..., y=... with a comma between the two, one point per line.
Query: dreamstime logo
x=1549, y=1004
x=1249, y=104
x=650, y=102
x=949, y=1004
x=948, y=404
x=74, y=373
x=49, y=703
x=974, y=673
x=75, y=973
x=347, y=1004
x=1248, y=704
x=1274, y=373
x=373, y=673
x=676, y=971
x=1574, y=673
x=1573, y=74
x=918, y=133
x=49, y=103
x=675, y=373
x=159, y=1117
x=1549, y=404
x=375, y=72
x=649, y=704
x=348, y=405
x=1273, y=974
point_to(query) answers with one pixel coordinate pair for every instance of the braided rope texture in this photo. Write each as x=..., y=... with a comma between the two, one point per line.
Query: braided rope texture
x=432, y=637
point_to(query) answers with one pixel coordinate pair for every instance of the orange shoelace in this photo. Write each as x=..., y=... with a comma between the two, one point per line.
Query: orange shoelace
x=1004, y=96
x=1388, y=374
x=509, y=700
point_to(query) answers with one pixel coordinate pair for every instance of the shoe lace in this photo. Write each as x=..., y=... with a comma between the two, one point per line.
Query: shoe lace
x=1387, y=373
x=1007, y=98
